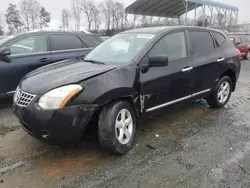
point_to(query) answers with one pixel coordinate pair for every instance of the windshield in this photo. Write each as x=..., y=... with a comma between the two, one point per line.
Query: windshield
x=3, y=40
x=120, y=48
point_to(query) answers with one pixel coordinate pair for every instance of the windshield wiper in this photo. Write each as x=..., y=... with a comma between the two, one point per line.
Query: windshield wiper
x=94, y=62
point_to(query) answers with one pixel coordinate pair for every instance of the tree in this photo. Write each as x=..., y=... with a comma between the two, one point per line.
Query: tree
x=25, y=11
x=13, y=18
x=97, y=18
x=76, y=12
x=202, y=21
x=34, y=13
x=106, y=7
x=2, y=23
x=31, y=12
x=118, y=14
x=88, y=7
x=44, y=18
x=65, y=19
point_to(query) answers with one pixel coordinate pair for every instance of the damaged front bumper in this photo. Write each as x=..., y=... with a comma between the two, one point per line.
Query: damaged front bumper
x=66, y=124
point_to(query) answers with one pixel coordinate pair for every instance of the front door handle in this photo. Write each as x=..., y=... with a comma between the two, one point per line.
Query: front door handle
x=44, y=60
x=220, y=59
x=187, y=69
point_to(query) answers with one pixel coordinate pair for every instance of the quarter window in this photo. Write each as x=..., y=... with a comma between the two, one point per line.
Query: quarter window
x=237, y=40
x=201, y=41
x=64, y=42
x=173, y=46
x=219, y=38
x=31, y=44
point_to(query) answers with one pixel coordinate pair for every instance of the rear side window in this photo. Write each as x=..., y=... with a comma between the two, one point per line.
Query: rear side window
x=64, y=42
x=243, y=39
x=201, y=41
x=91, y=41
x=219, y=38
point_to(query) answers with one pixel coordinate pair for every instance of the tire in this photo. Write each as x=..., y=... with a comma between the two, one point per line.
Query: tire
x=247, y=56
x=216, y=101
x=111, y=134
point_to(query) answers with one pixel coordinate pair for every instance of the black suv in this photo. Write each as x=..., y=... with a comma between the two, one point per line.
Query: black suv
x=26, y=52
x=130, y=74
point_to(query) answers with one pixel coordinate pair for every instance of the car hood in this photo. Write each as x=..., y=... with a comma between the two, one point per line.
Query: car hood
x=65, y=72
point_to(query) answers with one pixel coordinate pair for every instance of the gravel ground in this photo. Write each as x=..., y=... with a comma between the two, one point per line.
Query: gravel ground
x=187, y=145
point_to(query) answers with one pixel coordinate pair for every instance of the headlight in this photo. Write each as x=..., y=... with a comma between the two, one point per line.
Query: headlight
x=58, y=98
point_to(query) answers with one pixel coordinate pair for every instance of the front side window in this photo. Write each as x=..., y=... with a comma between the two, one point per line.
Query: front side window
x=64, y=42
x=201, y=41
x=120, y=48
x=31, y=44
x=173, y=46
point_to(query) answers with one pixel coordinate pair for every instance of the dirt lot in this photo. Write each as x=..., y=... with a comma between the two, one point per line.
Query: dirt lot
x=186, y=145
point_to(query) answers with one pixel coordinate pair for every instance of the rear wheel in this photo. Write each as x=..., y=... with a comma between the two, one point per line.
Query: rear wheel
x=117, y=127
x=247, y=56
x=221, y=93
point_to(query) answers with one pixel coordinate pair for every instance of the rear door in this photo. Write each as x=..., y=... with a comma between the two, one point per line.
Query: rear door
x=64, y=46
x=207, y=58
x=27, y=53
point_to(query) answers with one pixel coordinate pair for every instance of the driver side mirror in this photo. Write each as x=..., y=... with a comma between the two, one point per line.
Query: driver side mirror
x=4, y=52
x=158, y=61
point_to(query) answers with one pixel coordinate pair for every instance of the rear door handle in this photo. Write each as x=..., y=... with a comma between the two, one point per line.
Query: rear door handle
x=187, y=69
x=220, y=59
x=44, y=60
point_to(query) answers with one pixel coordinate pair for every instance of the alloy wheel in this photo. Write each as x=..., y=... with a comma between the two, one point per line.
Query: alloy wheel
x=223, y=92
x=124, y=126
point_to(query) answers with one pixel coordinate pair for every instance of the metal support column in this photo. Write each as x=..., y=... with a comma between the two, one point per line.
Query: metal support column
x=195, y=14
x=186, y=13
x=134, y=21
x=237, y=18
x=204, y=15
x=211, y=10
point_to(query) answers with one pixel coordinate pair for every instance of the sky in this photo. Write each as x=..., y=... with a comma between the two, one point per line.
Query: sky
x=55, y=7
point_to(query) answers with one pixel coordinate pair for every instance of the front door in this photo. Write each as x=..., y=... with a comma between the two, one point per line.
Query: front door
x=162, y=86
x=27, y=54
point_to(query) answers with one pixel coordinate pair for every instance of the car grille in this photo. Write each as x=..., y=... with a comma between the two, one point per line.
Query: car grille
x=22, y=98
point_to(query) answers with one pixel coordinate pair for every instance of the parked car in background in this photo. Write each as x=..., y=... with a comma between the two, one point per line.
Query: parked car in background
x=152, y=68
x=26, y=52
x=242, y=43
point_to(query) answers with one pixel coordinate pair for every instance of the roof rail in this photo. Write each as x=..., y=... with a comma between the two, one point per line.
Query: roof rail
x=59, y=30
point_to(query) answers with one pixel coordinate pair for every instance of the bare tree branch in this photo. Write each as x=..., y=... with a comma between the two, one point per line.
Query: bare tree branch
x=65, y=19
x=88, y=7
x=76, y=12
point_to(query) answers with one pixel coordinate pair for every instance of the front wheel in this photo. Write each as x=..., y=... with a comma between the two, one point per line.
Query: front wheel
x=221, y=93
x=117, y=127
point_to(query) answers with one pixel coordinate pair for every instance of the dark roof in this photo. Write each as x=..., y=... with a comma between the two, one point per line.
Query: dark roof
x=156, y=30
x=170, y=8
x=147, y=30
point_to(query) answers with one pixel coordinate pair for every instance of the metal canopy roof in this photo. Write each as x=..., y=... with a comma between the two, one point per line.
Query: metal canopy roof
x=171, y=8
x=215, y=4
